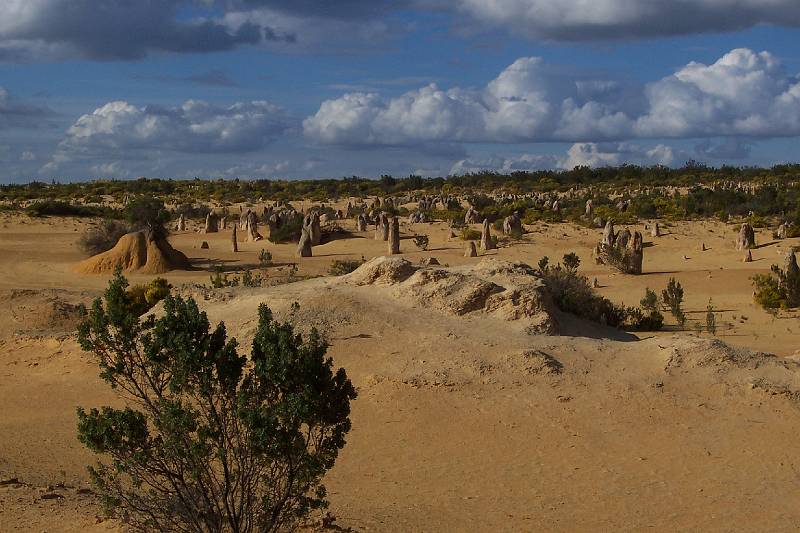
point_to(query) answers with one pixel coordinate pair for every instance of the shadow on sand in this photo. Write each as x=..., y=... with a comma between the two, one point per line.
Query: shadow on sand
x=572, y=326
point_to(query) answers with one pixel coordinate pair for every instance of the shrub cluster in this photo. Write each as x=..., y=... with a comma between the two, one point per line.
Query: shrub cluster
x=572, y=293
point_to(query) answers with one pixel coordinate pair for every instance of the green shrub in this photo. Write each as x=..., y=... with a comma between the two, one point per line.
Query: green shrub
x=340, y=267
x=650, y=300
x=779, y=289
x=204, y=429
x=219, y=279
x=144, y=297
x=672, y=296
x=572, y=293
x=265, y=258
x=288, y=232
x=571, y=261
x=421, y=241
x=146, y=212
x=248, y=279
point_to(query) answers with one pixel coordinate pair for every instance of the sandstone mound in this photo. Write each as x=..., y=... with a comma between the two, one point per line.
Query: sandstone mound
x=511, y=291
x=138, y=252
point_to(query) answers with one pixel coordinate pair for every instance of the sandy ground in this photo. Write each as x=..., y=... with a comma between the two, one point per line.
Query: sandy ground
x=452, y=430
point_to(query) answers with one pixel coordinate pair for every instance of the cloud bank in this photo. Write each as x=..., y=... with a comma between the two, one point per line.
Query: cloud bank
x=34, y=30
x=579, y=20
x=744, y=93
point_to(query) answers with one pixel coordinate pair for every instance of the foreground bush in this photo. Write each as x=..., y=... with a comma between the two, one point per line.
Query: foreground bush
x=210, y=440
x=102, y=237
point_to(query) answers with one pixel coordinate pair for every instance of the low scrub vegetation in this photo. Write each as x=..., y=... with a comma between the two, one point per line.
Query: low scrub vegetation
x=144, y=297
x=340, y=267
x=66, y=209
x=573, y=293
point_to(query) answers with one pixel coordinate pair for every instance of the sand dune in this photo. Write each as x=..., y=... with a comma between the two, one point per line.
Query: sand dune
x=465, y=420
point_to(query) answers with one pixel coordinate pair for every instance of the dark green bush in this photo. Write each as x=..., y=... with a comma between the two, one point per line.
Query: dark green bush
x=210, y=440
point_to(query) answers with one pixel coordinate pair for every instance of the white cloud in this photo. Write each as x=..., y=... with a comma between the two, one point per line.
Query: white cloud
x=743, y=93
x=194, y=127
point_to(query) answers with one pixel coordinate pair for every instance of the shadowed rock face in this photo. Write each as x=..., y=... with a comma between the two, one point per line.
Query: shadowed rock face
x=512, y=224
x=251, y=226
x=747, y=237
x=212, y=224
x=394, y=237
x=304, y=246
x=472, y=216
x=361, y=222
x=471, y=250
x=382, y=227
x=486, y=237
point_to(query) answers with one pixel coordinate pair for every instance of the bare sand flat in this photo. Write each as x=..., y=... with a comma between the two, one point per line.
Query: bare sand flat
x=463, y=422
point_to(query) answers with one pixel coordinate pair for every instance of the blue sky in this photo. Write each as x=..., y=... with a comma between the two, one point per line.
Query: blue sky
x=304, y=89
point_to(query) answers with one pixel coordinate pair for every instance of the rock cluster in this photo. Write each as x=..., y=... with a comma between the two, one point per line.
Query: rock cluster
x=623, y=251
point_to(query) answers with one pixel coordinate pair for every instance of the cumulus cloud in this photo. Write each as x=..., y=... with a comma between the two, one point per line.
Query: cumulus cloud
x=579, y=20
x=613, y=154
x=743, y=93
x=194, y=127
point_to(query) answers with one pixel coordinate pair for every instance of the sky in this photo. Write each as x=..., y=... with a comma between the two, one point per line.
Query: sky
x=95, y=89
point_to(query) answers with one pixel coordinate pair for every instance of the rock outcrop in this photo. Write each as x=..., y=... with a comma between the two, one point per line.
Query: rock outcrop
x=142, y=252
x=747, y=237
x=623, y=251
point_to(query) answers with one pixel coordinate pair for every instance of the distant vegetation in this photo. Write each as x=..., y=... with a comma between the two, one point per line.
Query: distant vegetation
x=778, y=194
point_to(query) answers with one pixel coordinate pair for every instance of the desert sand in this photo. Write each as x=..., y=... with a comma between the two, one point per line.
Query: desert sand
x=464, y=422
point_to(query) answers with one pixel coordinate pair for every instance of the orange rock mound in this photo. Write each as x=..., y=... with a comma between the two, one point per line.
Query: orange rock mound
x=139, y=252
